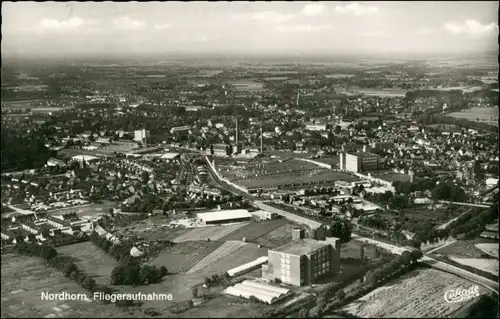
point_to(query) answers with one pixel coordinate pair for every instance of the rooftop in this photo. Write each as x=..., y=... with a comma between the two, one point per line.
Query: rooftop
x=301, y=246
x=224, y=215
x=365, y=154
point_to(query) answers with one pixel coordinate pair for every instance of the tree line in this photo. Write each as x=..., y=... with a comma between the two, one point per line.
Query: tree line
x=129, y=270
x=21, y=150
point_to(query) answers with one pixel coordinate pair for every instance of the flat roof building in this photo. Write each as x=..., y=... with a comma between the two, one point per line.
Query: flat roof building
x=303, y=261
x=224, y=216
x=359, y=161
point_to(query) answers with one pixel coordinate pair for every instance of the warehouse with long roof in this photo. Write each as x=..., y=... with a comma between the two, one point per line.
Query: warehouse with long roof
x=224, y=216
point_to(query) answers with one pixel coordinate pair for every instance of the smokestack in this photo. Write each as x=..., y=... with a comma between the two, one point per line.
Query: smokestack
x=298, y=95
x=237, y=135
x=261, y=147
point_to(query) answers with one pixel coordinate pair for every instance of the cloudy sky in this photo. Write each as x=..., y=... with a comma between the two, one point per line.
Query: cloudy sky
x=343, y=27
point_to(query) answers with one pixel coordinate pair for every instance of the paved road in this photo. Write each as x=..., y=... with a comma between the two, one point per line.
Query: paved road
x=295, y=218
x=465, y=204
x=19, y=210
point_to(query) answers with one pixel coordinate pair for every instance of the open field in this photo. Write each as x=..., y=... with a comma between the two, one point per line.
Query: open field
x=91, y=259
x=465, y=89
x=420, y=294
x=255, y=230
x=224, y=250
x=277, y=237
x=238, y=257
x=489, y=248
x=484, y=114
x=211, y=232
x=225, y=306
x=340, y=76
x=25, y=278
x=435, y=217
x=157, y=234
x=85, y=210
x=181, y=257
x=246, y=85
x=372, y=92
x=461, y=248
x=484, y=264
x=382, y=92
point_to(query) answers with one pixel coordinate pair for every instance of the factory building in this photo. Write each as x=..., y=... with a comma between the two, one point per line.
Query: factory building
x=141, y=135
x=359, y=161
x=303, y=261
x=180, y=129
x=224, y=217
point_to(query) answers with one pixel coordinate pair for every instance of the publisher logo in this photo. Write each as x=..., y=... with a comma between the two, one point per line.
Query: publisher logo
x=461, y=295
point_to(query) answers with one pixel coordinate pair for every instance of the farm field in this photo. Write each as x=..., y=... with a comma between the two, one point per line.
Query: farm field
x=339, y=76
x=465, y=89
x=489, y=248
x=181, y=257
x=382, y=92
x=224, y=250
x=255, y=230
x=91, y=259
x=246, y=85
x=461, y=248
x=488, y=265
x=238, y=257
x=227, y=307
x=420, y=295
x=212, y=232
x=25, y=278
x=484, y=114
x=277, y=237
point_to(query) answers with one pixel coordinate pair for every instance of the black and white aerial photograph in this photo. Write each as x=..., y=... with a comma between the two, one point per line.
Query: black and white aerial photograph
x=263, y=159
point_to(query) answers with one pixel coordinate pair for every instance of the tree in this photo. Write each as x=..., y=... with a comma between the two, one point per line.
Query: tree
x=338, y=129
x=147, y=274
x=406, y=256
x=88, y=283
x=416, y=255
x=145, y=177
x=48, y=252
x=194, y=292
x=304, y=313
x=70, y=267
x=478, y=171
x=340, y=294
x=117, y=275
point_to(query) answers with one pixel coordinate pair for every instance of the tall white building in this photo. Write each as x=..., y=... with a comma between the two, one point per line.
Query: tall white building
x=141, y=135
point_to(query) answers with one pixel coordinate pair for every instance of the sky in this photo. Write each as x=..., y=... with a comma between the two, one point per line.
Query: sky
x=344, y=27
